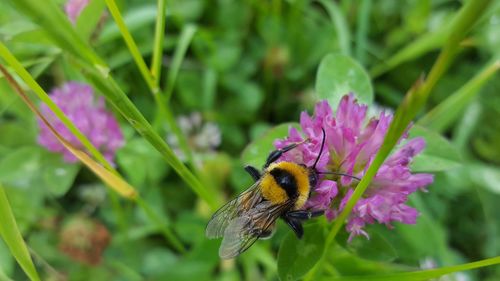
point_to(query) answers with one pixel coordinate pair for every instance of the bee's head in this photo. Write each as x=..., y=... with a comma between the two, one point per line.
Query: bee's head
x=314, y=173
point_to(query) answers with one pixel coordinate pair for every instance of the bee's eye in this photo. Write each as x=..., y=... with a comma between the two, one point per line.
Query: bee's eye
x=313, y=179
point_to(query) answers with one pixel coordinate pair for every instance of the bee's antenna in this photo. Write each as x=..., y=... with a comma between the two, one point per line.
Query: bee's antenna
x=321, y=150
x=339, y=174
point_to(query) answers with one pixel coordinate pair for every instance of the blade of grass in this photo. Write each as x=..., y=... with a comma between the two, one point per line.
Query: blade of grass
x=441, y=116
x=134, y=50
x=415, y=49
x=50, y=16
x=363, y=20
x=158, y=43
x=3, y=276
x=411, y=105
x=340, y=24
x=423, y=274
x=12, y=237
x=186, y=35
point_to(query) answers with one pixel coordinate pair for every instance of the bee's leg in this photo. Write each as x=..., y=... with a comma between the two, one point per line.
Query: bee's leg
x=276, y=154
x=266, y=234
x=253, y=172
x=304, y=215
x=295, y=225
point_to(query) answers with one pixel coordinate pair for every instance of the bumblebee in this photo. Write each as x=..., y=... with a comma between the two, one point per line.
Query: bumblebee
x=279, y=191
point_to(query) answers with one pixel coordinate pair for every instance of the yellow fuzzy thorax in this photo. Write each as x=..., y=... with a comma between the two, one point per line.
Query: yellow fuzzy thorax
x=275, y=194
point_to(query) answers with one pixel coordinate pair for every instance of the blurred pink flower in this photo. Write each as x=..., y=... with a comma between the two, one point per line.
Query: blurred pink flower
x=351, y=145
x=73, y=8
x=88, y=114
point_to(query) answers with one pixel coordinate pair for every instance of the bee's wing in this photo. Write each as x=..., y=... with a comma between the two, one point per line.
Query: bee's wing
x=221, y=219
x=244, y=230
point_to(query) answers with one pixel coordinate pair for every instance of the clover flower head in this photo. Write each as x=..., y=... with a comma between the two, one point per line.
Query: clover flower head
x=88, y=114
x=351, y=144
x=73, y=8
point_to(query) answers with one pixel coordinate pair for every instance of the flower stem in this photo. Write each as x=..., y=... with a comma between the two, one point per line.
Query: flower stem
x=134, y=50
x=158, y=43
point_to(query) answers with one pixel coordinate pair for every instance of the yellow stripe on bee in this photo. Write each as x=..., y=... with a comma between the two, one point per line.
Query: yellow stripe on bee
x=277, y=195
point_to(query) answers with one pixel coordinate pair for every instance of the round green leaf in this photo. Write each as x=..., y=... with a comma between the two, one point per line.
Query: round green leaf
x=21, y=167
x=377, y=248
x=296, y=257
x=57, y=175
x=339, y=75
x=256, y=152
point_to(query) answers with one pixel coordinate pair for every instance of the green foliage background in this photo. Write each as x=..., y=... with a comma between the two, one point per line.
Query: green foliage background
x=247, y=66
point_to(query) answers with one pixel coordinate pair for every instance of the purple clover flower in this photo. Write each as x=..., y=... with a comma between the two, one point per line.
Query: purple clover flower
x=73, y=8
x=350, y=146
x=88, y=114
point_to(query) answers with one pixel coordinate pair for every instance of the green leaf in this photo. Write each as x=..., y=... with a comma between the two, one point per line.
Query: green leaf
x=89, y=19
x=378, y=248
x=439, y=154
x=256, y=152
x=6, y=261
x=57, y=175
x=15, y=134
x=339, y=75
x=21, y=168
x=296, y=257
x=12, y=237
x=180, y=51
x=485, y=176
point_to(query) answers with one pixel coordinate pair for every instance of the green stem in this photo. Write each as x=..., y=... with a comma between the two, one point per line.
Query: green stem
x=134, y=50
x=340, y=24
x=362, y=29
x=167, y=232
x=441, y=116
x=422, y=274
x=158, y=43
x=13, y=238
x=186, y=35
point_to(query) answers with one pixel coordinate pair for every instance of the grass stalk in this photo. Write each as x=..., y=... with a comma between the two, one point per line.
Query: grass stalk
x=422, y=274
x=132, y=47
x=13, y=238
x=158, y=42
x=441, y=116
